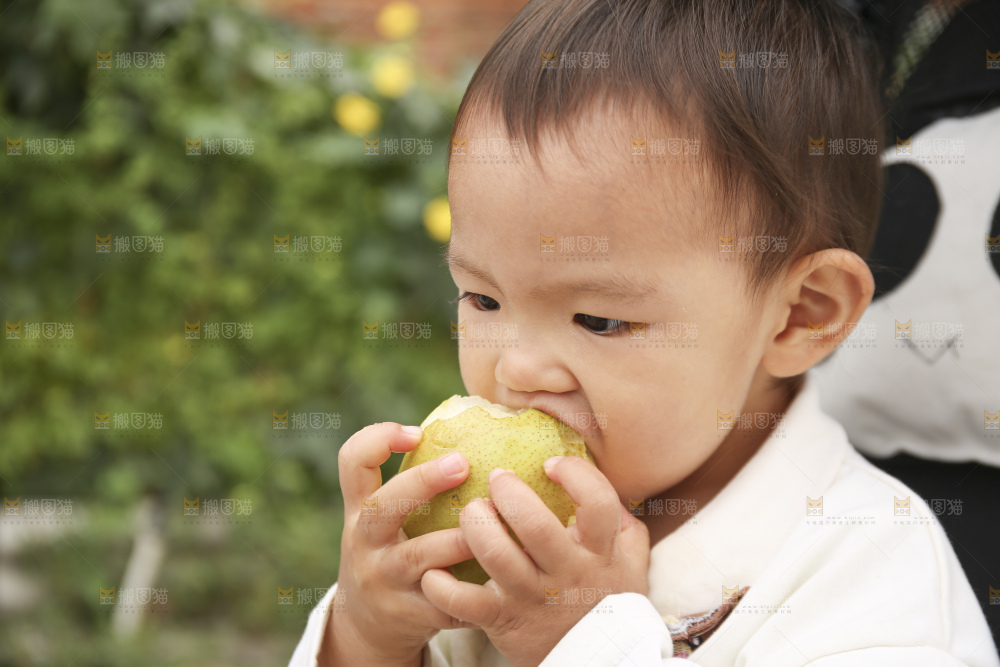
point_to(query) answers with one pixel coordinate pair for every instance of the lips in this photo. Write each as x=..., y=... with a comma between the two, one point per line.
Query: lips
x=583, y=423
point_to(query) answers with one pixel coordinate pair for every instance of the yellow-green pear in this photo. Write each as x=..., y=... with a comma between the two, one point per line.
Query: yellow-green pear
x=490, y=436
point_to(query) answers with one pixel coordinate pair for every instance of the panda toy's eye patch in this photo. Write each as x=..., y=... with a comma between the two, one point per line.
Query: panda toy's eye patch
x=910, y=213
x=993, y=241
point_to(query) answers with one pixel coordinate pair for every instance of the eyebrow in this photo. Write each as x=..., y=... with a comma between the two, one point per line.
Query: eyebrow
x=613, y=287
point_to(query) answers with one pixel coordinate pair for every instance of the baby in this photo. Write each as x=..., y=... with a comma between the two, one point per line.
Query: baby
x=672, y=215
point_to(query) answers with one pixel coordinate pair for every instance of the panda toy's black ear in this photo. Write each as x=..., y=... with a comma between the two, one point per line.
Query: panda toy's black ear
x=940, y=62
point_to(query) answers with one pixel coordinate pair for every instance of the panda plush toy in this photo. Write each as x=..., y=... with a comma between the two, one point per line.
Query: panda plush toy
x=917, y=383
x=921, y=372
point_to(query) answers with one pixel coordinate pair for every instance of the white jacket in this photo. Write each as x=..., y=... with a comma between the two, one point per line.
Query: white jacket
x=846, y=578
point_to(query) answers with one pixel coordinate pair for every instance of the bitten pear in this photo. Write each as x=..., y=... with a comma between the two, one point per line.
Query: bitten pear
x=490, y=436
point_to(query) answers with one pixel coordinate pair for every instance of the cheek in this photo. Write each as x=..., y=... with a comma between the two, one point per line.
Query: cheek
x=478, y=367
x=646, y=444
x=477, y=364
x=717, y=374
x=664, y=425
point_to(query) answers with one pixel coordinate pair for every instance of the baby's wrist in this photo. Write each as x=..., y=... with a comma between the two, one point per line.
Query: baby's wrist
x=342, y=645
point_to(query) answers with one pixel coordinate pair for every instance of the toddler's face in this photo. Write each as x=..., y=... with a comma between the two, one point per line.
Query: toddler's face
x=648, y=409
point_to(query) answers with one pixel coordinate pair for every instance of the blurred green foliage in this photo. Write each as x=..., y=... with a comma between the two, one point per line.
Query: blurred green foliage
x=129, y=176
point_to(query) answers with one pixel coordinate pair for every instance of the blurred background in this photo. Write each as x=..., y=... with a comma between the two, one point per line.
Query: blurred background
x=221, y=226
x=209, y=281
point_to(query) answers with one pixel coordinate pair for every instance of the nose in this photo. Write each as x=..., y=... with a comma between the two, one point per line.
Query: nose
x=533, y=367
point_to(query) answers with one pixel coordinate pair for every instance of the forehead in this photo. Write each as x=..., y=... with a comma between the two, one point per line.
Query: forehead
x=584, y=182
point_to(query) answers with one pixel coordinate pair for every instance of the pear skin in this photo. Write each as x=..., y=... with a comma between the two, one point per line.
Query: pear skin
x=490, y=436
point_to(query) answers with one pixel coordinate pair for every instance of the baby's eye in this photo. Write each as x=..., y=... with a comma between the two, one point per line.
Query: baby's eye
x=601, y=325
x=479, y=301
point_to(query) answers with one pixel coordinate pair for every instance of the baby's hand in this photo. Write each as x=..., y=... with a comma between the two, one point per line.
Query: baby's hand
x=606, y=549
x=386, y=620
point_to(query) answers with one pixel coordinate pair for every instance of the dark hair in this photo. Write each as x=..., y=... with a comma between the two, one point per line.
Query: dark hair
x=754, y=123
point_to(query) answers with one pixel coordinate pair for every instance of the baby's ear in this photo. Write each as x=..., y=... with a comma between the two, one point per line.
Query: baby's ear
x=820, y=302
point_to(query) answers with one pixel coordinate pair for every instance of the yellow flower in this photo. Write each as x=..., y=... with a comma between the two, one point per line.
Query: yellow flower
x=437, y=219
x=356, y=113
x=392, y=76
x=398, y=20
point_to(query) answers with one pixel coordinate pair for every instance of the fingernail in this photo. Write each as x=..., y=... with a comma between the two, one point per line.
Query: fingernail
x=551, y=463
x=451, y=464
x=496, y=471
x=413, y=430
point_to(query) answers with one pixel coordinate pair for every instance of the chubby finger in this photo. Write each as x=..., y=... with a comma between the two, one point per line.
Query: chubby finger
x=598, y=515
x=408, y=489
x=495, y=549
x=408, y=560
x=540, y=531
x=470, y=603
x=360, y=457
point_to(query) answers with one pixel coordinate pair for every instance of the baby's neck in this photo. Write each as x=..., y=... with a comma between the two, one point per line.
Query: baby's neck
x=738, y=447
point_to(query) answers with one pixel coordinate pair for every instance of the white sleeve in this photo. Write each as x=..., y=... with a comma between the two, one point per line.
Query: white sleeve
x=312, y=639
x=624, y=629
x=890, y=656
